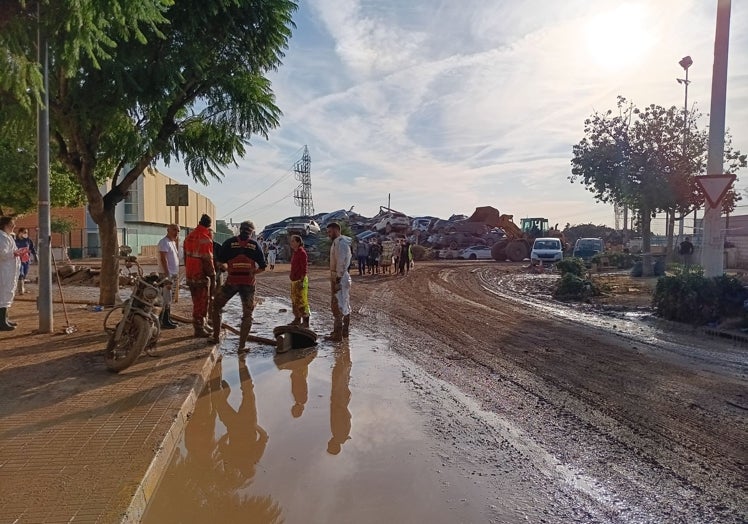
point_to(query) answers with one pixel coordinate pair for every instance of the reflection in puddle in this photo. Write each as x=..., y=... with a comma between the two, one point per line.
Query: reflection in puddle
x=306, y=436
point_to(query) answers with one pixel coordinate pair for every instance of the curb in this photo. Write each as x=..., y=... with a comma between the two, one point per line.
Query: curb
x=147, y=486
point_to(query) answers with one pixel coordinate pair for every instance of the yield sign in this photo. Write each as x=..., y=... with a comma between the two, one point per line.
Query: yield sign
x=715, y=187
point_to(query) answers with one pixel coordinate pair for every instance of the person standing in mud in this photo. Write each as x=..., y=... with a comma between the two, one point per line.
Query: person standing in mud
x=272, y=254
x=362, y=255
x=340, y=397
x=10, y=264
x=405, y=257
x=299, y=282
x=26, y=245
x=168, y=266
x=340, y=282
x=200, y=272
x=242, y=258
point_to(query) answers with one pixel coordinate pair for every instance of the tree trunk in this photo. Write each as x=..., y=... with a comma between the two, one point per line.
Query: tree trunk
x=646, y=223
x=670, y=233
x=109, y=278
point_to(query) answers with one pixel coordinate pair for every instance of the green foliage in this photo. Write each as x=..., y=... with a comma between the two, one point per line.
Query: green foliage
x=571, y=265
x=222, y=228
x=573, y=287
x=61, y=225
x=419, y=252
x=689, y=297
x=608, y=234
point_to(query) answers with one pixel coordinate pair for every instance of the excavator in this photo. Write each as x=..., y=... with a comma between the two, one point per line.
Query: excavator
x=517, y=243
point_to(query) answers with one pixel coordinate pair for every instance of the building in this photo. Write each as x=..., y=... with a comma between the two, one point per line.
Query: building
x=141, y=218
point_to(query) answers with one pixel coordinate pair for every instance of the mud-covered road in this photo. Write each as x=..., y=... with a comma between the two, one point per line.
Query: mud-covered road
x=649, y=424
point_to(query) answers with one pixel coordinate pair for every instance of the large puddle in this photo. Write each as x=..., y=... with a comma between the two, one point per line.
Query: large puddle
x=326, y=435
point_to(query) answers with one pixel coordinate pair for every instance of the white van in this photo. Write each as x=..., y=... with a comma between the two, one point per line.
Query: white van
x=547, y=250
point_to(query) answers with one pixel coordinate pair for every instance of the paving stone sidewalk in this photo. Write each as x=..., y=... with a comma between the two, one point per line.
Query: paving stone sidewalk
x=77, y=442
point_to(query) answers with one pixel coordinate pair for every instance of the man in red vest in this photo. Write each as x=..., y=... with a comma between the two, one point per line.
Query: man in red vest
x=200, y=273
x=242, y=258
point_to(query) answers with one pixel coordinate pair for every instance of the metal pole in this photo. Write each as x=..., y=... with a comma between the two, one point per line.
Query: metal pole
x=685, y=63
x=712, y=253
x=44, y=304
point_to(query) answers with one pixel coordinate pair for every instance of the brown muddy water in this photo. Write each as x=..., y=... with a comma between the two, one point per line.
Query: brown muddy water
x=340, y=433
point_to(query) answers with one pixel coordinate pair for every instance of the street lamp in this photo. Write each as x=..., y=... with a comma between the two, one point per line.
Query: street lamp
x=685, y=63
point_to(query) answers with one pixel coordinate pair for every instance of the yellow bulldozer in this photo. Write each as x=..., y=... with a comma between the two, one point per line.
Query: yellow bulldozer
x=517, y=243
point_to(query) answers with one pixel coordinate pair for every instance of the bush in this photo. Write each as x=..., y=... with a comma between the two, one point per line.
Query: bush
x=617, y=260
x=689, y=297
x=571, y=265
x=572, y=287
x=420, y=253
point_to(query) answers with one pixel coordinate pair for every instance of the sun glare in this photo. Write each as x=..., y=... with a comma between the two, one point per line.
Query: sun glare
x=619, y=38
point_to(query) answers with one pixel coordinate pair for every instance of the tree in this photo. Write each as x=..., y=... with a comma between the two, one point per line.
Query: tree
x=175, y=87
x=638, y=158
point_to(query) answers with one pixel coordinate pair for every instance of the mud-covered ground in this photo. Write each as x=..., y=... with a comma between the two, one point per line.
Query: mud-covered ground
x=646, y=419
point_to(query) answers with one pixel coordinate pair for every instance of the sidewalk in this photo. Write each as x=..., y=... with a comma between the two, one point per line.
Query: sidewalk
x=77, y=442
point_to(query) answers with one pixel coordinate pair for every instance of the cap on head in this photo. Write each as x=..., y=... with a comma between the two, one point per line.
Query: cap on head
x=205, y=221
x=333, y=225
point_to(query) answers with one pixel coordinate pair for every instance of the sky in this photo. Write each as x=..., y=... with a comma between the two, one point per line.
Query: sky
x=437, y=107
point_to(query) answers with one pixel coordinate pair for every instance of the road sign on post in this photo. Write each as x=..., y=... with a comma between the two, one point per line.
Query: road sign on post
x=715, y=187
x=177, y=195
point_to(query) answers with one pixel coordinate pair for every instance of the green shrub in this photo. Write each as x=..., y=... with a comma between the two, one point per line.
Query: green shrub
x=687, y=296
x=617, y=260
x=420, y=253
x=571, y=265
x=573, y=287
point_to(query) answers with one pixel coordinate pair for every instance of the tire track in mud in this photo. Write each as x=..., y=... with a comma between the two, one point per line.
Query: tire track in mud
x=626, y=414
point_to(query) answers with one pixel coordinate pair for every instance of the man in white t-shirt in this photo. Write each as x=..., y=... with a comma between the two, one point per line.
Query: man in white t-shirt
x=168, y=265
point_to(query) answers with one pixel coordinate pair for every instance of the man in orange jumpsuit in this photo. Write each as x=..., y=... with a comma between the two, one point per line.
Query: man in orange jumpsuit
x=200, y=272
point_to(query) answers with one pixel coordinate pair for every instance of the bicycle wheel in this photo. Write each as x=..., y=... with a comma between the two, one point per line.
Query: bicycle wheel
x=120, y=354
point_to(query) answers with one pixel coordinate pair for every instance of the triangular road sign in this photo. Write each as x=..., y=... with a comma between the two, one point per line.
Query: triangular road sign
x=715, y=187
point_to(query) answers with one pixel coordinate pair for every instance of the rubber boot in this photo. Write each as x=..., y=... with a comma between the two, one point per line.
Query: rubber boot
x=168, y=318
x=346, y=325
x=162, y=320
x=216, y=321
x=200, y=331
x=337, y=331
x=4, y=326
x=244, y=329
x=21, y=289
x=305, y=322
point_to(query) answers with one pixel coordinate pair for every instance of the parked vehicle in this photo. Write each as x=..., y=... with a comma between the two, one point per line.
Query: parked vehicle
x=475, y=253
x=586, y=248
x=139, y=328
x=546, y=250
x=422, y=223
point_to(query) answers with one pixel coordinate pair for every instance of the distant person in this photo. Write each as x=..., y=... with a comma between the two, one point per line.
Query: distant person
x=272, y=254
x=28, y=253
x=10, y=265
x=168, y=266
x=299, y=282
x=405, y=258
x=375, y=252
x=396, y=252
x=686, y=251
x=340, y=282
x=242, y=258
x=200, y=273
x=362, y=254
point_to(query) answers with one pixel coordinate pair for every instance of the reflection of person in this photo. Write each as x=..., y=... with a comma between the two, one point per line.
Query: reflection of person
x=242, y=258
x=299, y=366
x=340, y=282
x=9, y=267
x=299, y=282
x=340, y=397
x=26, y=246
x=200, y=273
x=168, y=266
x=686, y=251
x=243, y=445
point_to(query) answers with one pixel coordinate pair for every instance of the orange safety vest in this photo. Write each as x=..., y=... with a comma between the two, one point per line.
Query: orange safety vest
x=241, y=269
x=198, y=250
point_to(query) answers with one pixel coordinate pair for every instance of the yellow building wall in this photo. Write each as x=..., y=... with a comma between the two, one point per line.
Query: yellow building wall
x=156, y=211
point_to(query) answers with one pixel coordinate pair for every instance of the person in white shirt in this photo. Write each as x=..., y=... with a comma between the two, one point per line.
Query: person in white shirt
x=168, y=266
x=340, y=282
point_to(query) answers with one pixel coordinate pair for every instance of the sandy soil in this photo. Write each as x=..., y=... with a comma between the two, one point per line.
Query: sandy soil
x=648, y=418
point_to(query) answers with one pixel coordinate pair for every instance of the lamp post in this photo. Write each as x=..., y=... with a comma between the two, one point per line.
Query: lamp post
x=685, y=63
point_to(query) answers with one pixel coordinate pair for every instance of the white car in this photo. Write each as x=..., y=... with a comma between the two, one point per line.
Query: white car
x=476, y=253
x=546, y=250
x=392, y=221
x=303, y=226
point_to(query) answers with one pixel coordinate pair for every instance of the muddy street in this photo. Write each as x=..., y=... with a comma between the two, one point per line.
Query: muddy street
x=461, y=397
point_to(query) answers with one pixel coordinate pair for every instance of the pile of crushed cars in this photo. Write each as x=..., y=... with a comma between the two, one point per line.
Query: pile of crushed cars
x=445, y=237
